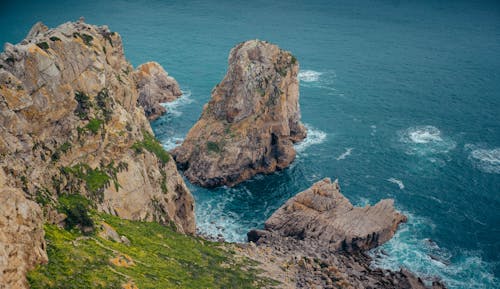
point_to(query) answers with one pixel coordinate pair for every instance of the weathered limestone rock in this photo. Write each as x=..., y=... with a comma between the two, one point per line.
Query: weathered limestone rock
x=70, y=123
x=323, y=214
x=22, y=243
x=251, y=122
x=155, y=86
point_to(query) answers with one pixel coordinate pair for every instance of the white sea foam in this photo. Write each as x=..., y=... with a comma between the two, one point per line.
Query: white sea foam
x=172, y=142
x=425, y=141
x=345, y=154
x=309, y=75
x=424, y=134
x=486, y=160
x=173, y=107
x=314, y=136
x=427, y=259
x=397, y=182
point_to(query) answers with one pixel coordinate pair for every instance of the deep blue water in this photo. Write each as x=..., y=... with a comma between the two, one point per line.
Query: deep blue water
x=402, y=100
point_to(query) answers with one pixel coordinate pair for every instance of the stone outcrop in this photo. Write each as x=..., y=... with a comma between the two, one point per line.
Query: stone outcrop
x=251, y=122
x=70, y=123
x=155, y=86
x=323, y=214
x=318, y=240
x=22, y=243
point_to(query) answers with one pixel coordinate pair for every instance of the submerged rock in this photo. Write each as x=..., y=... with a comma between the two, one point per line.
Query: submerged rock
x=251, y=122
x=155, y=86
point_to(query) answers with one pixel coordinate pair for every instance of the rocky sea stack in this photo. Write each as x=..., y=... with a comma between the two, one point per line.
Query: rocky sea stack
x=251, y=122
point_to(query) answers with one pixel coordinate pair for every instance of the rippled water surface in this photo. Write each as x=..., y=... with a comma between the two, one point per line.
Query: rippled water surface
x=401, y=100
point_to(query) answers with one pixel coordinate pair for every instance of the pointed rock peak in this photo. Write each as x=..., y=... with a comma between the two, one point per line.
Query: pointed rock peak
x=37, y=29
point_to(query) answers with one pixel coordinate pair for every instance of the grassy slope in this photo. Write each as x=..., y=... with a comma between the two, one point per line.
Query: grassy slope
x=161, y=258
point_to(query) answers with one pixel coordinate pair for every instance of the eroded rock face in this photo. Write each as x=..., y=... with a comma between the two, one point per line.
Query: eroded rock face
x=323, y=214
x=22, y=243
x=318, y=239
x=251, y=122
x=155, y=86
x=70, y=123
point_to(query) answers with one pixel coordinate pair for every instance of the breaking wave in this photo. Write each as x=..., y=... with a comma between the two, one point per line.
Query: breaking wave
x=173, y=107
x=309, y=75
x=486, y=160
x=425, y=140
x=314, y=136
x=428, y=260
x=397, y=182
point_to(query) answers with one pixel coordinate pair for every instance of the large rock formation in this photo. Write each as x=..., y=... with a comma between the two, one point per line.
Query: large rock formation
x=70, y=123
x=318, y=238
x=251, y=122
x=155, y=86
x=22, y=243
x=323, y=214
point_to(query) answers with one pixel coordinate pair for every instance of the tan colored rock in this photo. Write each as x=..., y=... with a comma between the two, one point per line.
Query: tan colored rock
x=251, y=122
x=68, y=97
x=321, y=213
x=22, y=243
x=155, y=86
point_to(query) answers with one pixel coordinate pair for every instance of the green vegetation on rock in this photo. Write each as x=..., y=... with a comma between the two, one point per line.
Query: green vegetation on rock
x=213, y=147
x=43, y=45
x=157, y=257
x=151, y=144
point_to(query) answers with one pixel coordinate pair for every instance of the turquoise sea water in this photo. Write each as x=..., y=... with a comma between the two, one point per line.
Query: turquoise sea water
x=402, y=100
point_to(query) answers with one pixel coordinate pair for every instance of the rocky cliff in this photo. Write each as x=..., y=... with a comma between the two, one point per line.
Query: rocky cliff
x=318, y=239
x=22, y=243
x=155, y=86
x=251, y=121
x=70, y=124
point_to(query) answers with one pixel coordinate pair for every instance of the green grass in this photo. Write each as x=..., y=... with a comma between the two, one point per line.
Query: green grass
x=162, y=259
x=151, y=144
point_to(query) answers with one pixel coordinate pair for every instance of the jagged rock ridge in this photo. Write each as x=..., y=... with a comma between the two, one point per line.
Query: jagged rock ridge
x=251, y=122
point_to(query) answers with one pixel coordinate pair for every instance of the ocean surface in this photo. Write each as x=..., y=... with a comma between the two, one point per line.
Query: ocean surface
x=401, y=100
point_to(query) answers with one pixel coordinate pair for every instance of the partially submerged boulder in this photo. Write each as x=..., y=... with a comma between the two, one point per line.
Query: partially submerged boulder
x=251, y=122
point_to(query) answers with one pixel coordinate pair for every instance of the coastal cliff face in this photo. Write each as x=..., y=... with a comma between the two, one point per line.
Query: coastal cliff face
x=155, y=86
x=251, y=122
x=70, y=124
x=22, y=243
x=317, y=239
